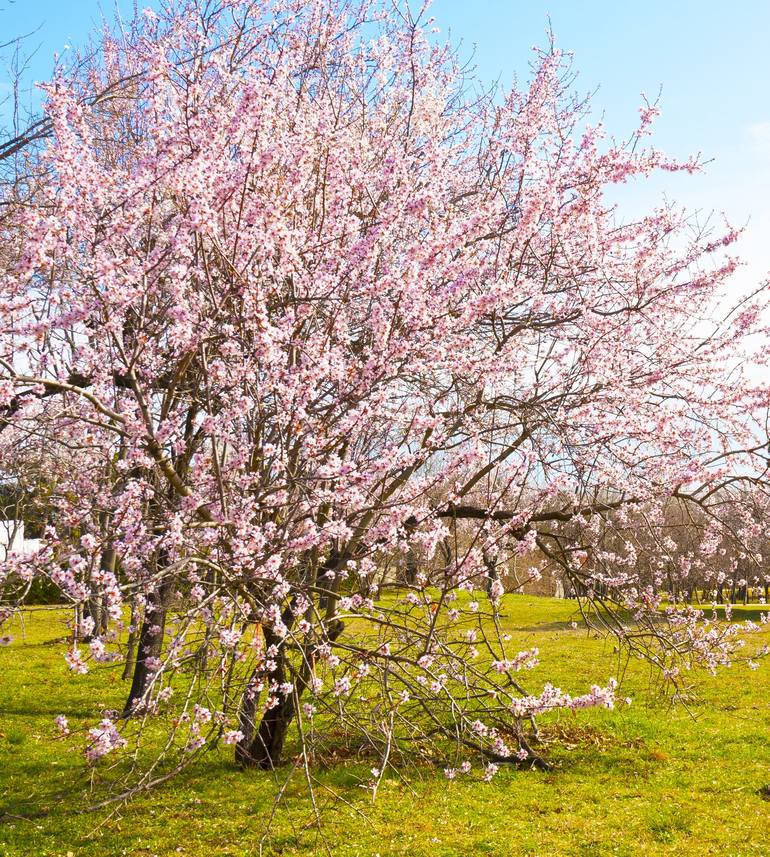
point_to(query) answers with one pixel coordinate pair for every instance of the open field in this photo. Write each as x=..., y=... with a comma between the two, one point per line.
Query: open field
x=652, y=778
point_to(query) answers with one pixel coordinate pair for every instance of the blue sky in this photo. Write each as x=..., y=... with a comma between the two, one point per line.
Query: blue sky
x=710, y=58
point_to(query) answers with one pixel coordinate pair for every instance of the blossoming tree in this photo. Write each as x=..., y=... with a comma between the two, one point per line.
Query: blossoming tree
x=297, y=303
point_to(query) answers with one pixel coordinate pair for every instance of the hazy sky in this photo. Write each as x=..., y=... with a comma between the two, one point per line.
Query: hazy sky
x=711, y=59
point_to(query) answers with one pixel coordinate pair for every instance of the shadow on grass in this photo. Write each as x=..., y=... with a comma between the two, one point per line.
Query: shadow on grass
x=753, y=612
x=553, y=626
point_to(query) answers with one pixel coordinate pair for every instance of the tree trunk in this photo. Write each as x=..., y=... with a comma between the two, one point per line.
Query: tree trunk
x=247, y=721
x=150, y=646
x=95, y=606
x=131, y=646
x=264, y=749
x=492, y=572
x=93, y=609
x=410, y=568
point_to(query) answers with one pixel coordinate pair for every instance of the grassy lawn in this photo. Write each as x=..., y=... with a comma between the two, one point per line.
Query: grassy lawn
x=653, y=778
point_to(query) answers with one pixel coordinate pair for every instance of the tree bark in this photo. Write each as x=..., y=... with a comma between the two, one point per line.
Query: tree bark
x=149, y=646
x=131, y=646
x=492, y=572
x=264, y=750
x=263, y=747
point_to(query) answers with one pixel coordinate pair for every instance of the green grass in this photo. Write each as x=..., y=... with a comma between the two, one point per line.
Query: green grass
x=651, y=778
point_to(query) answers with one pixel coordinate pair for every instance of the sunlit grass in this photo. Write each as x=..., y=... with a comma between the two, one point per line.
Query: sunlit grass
x=651, y=778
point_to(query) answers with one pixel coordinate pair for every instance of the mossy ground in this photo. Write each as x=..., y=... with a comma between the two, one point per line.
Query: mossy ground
x=651, y=778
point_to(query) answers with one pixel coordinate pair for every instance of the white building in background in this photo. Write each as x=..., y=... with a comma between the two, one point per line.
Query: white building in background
x=12, y=539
